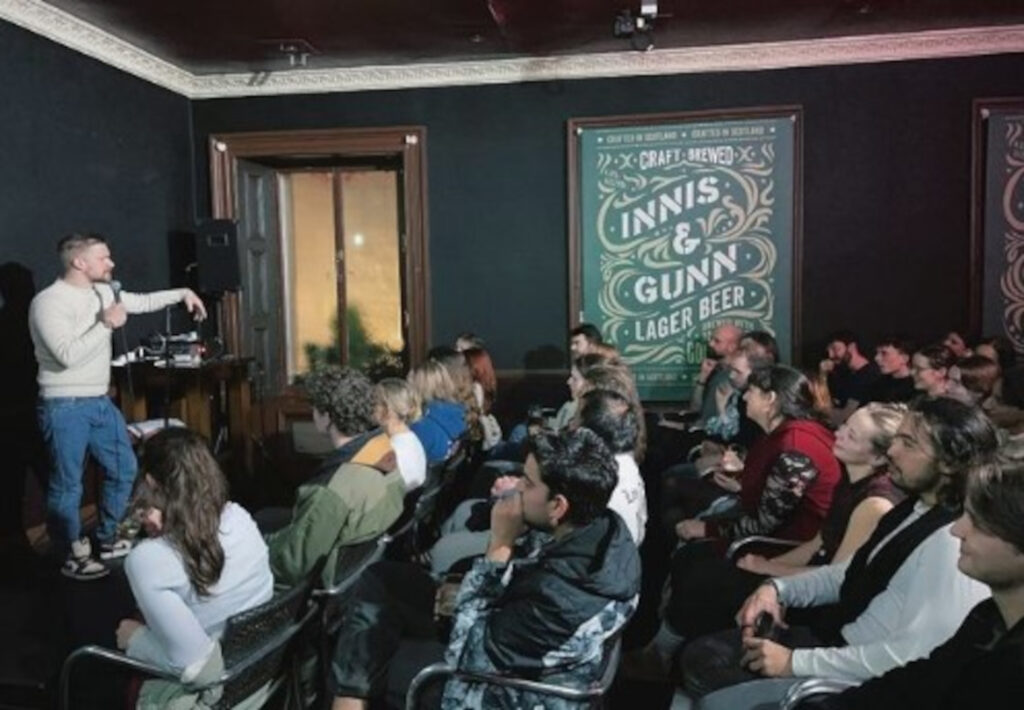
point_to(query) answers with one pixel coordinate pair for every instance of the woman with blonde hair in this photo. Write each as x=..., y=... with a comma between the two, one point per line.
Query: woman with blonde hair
x=398, y=405
x=444, y=417
x=204, y=560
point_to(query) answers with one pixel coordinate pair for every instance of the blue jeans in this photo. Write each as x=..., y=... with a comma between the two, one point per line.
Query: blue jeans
x=71, y=426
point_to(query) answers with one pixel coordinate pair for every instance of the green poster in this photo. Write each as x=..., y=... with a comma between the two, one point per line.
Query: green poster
x=683, y=226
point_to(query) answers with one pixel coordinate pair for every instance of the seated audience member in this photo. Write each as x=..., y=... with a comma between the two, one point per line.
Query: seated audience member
x=714, y=371
x=896, y=383
x=355, y=497
x=730, y=431
x=999, y=350
x=444, y=417
x=610, y=415
x=850, y=374
x=485, y=391
x=467, y=340
x=898, y=597
x=707, y=589
x=1009, y=388
x=821, y=397
x=542, y=615
x=930, y=367
x=957, y=344
x=617, y=378
x=979, y=376
x=583, y=338
x=982, y=664
x=786, y=484
x=513, y=449
x=864, y=494
x=462, y=380
x=398, y=405
x=203, y=561
x=762, y=345
x=577, y=386
x=342, y=400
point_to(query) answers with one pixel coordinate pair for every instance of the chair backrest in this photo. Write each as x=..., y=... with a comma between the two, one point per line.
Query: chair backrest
x=253, y=632
x=350, y=562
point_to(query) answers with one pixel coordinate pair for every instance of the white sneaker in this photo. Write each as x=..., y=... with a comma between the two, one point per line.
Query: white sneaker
x=118, y=547
x=80, y=564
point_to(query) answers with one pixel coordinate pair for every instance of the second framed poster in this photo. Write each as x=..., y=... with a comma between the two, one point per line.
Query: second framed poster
x=681, y=222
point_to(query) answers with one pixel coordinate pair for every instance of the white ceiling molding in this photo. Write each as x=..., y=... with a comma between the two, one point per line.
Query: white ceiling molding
x=72, y=32
x=87, y=39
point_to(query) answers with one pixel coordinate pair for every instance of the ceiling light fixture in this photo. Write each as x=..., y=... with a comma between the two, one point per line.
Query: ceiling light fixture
x=639, y=28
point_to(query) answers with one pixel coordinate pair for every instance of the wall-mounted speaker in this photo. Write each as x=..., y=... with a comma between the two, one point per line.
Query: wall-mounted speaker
x=214, y=264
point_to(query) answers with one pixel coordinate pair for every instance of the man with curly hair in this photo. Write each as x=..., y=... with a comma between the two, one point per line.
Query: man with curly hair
x=355, y=494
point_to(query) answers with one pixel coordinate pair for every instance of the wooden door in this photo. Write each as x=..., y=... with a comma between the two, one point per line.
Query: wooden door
x=259, y=246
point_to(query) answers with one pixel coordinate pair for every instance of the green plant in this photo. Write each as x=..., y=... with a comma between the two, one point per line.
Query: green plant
x=375, y=359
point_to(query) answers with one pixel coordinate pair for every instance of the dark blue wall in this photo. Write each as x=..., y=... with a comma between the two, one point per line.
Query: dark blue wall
x=886, y=199
x=887, y=185
x=89, y=148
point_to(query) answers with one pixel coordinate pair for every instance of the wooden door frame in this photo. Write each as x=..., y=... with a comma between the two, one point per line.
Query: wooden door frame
x=408, y=143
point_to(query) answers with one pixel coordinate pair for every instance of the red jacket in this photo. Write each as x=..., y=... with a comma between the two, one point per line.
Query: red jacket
x=802, y=436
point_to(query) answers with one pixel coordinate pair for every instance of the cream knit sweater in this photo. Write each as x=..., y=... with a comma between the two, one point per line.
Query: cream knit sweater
x=72, y=344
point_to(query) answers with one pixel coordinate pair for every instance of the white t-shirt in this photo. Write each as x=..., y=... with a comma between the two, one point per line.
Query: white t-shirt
x=629, y=499
x=181, y=626
x=412, y=459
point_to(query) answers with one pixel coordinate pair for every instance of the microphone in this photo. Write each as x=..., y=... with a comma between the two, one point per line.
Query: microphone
x=115, y=286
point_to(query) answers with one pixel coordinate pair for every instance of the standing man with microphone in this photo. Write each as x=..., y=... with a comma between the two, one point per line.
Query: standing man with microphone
x=71, y=323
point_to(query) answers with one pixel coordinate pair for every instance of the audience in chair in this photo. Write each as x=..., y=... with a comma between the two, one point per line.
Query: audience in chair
x=357, y=493
x=892, y=354
x=982, y=664
x=931, y=367
x=713, y=377
x=707, y=590
x=204, y=560
x=850, y=374
x=611, y=416
x=787, y=480
x=542, y=612
x=398, y=405
x=897, y=598
x=444, y=416
x=583, y=339
x=485, y=392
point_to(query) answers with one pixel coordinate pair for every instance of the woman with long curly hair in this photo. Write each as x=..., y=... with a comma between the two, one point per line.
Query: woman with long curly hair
x=203, y=561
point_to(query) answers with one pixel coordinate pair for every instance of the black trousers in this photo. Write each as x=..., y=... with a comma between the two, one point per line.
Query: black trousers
x=391, y=602
x=707, y=590
x=713, y=662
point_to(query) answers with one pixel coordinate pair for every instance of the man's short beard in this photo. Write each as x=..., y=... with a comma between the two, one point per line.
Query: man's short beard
x=935, y=482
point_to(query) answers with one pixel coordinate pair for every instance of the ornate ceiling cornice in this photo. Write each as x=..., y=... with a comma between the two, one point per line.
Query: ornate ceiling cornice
x=87, y=39
x=72, y=32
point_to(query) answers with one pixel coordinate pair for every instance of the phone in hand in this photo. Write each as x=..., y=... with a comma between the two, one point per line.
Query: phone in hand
x=764, y=626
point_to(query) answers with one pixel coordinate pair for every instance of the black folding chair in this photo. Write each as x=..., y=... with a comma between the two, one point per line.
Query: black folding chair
x=350, y=563
x=256, y=646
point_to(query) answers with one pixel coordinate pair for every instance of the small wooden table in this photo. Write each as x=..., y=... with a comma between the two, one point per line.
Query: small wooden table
x=197, y=393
